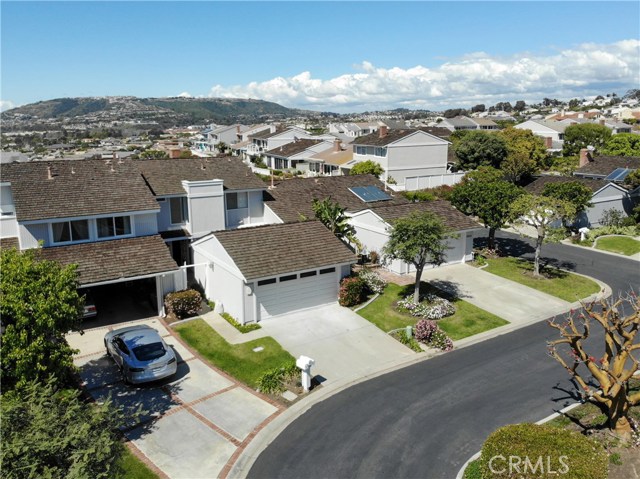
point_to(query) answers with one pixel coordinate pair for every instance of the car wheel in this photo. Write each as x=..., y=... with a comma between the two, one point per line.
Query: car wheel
x=124, y=377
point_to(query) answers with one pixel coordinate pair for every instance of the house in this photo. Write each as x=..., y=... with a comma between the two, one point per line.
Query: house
x=408, y=157
x=551, y=131
x=466, y=123
x=601, y=167
x=265, y=141
x=353, y=130
x=197, y=196
x=216, y=134
x=97, y=214
x=296, y=154
x=331, y=161
x=257, y=273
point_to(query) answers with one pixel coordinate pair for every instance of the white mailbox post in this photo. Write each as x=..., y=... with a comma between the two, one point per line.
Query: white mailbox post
x=583, y=233
x=305, y=363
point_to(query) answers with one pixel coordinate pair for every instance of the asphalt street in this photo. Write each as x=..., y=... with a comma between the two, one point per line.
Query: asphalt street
x=426, y=420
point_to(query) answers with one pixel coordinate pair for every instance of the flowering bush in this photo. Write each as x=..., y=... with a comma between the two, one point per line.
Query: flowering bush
x=430, y=307
x=424, y=329
x=440, y=340
x=374, y=282
x=183, y=303
x=352, y=291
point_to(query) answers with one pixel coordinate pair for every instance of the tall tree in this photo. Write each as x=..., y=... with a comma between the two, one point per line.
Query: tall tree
x=520, y=106
x=623, y=144
x=611, y=371
x=40, y=304
x=331, y=214
x=486, y=194
x=526, y=153
x=540, y=212
x=480, y=148
x=573, y=192
x=419, y=239
x=368, y=167
x=583, y=135
x=48, y=432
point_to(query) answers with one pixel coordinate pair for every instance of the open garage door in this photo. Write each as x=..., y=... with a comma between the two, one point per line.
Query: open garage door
x=296, y=291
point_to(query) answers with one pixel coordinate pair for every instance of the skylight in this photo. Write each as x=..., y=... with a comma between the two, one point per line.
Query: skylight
x=369, y=193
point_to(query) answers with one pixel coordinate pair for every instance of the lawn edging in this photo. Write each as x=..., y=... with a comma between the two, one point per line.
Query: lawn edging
x=568, y=242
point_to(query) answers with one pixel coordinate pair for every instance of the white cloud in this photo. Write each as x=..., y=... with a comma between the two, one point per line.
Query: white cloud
x=185, y=94
x=6, y=105
x=477, y=77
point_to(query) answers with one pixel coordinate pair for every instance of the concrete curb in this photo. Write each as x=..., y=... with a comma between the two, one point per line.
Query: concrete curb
x=635, y=257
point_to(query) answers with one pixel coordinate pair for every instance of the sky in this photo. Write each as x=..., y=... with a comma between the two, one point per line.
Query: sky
x=325, y=56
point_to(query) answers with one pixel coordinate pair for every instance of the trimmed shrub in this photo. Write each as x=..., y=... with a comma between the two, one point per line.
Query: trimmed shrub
x=243, y=328
x=352, y=291
x=374, y=282
x=424, y=329
x=183, y=303
x=612, y=230
x=542, y=452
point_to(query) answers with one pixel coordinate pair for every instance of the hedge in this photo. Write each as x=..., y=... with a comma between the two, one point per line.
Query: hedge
x=183, y=303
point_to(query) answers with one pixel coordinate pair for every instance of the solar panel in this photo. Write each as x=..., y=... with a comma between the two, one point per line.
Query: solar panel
x=619, y=174
x=369, y=193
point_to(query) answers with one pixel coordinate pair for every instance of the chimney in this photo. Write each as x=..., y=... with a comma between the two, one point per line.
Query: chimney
x=585, y=157
x=336, y=145
x=548, y=142
x=238, y=129
x=382, y=132
x=602, y=121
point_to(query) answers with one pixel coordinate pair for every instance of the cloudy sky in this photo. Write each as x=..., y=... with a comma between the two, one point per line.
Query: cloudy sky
x=328, y=56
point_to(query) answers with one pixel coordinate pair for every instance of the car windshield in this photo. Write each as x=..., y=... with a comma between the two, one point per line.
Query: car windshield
x=149, y=352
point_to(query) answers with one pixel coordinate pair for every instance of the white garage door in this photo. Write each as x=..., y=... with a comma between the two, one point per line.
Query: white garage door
x=293, y=292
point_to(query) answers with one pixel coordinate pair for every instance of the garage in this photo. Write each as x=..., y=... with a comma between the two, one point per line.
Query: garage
x=296, y=291
x=262, y=272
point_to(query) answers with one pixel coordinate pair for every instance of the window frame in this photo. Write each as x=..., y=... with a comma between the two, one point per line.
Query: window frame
x=70, y=232
x=114, y=227
x=184, y=210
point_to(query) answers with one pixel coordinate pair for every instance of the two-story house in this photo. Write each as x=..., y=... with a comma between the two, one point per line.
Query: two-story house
x=297, y=154
x=551, y=131
x=466, y=123
x=98, y=214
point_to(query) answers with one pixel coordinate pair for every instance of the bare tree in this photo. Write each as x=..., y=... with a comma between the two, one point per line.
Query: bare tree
x=617, y=365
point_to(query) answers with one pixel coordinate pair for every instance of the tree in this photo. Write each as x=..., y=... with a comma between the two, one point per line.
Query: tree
x=154, y=155
x=186, y=154
x=486, y=194
x=633, y=179
x=526, y=153
x=623, y=144
x=222, y=147
x=573, y=192
x=478, y=108
x=611, y=371
x=367, y=167
x=331, y=214
x=540, y=212
x=479, y=148
x=520, y=106
x=577, y=137
x=40, y=304
x=47, y=432
x=419, y=239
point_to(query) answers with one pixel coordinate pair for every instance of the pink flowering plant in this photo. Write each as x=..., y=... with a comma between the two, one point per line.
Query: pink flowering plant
x=429, y=333
x=429, y=307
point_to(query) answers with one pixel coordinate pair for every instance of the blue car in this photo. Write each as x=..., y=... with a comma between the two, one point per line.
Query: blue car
x=141, y=354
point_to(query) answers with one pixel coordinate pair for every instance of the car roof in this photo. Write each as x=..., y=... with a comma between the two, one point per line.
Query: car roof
x=137, y=335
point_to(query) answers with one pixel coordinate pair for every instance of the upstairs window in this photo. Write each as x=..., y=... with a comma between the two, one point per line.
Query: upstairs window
x=68, y=231
x=114, y=226
x=236, y=201
x=179, y=210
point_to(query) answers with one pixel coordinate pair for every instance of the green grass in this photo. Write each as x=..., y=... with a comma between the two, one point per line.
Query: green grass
x=467, y=320
x=134, y=468
x=238, y=360
x=558, y=283
x=619, y=244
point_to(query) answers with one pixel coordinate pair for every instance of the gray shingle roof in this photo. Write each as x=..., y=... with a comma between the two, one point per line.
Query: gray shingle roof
x=292, y=198
x=451, y=217
x=278, y=249
x=77, y=188
x=373, y=139
x=604, y=165
x=293, y=148
x=115, y=259
x=536, y=187
x=165, y=176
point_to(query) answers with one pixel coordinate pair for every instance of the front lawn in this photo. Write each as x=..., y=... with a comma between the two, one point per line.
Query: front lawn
x=558, y=283
x=134, y=468
x=238, y=360
x=619, y=244
x=467, y=320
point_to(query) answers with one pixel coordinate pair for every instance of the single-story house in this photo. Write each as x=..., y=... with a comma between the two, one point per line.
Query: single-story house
x=258, y=273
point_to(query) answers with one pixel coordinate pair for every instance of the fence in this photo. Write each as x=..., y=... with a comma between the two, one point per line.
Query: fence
x=421, y=182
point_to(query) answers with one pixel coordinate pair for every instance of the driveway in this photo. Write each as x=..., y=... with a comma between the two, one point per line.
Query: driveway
x=344, y=345
x=191, y=426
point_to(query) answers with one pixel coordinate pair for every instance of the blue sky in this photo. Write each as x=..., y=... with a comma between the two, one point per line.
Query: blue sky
x=320, y=55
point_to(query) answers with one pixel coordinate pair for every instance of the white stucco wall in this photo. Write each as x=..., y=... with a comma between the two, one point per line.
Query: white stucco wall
x=206, y=206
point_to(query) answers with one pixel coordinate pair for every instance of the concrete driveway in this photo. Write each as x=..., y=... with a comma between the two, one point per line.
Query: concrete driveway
x=344, y=345
x=193, y=425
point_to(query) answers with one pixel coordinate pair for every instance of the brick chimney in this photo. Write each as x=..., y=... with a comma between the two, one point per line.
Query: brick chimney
x=585, y=157
x=174, y=153
x=548, y=142
x=336, y=145
x=602, y=121
x=382, y=132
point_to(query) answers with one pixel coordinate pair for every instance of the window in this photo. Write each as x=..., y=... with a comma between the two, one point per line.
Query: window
x=266, y=281
x=327, y=270
x=179, y=210
x=288, y=277
x=380, y=152
x=361, y=150
x=114, y=226
x=307, y=274
x=236, y=201
x=70, y=231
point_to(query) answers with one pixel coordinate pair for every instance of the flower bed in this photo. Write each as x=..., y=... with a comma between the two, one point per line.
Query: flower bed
x=429, y=307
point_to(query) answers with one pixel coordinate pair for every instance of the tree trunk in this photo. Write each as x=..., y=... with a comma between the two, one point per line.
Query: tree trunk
x=416, y=287
x=492, y=238
x=618, y=419
x=536, y=259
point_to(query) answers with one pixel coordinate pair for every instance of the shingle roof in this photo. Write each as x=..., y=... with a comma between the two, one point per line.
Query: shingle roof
x=292, y=198
x=451, y=217
x=115, y=259
x=554, y=125
x=6, y=243
x=165, y=176
x=334, y=157
x=604, y=165
x=293, y=148
x=277, y=249
x=77, y=188
x=461, y=121
x=373, y=139
x=536, y=187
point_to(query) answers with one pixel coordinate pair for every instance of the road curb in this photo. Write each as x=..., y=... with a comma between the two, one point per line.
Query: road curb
x=593, y=249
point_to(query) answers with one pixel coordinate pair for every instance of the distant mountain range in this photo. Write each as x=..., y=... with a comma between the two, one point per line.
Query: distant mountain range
x=125, y=111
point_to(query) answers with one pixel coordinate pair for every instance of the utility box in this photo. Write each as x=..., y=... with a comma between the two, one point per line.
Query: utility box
x=305, y=363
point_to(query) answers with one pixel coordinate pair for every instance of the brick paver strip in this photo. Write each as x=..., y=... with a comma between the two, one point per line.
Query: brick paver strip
x=144, y=459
